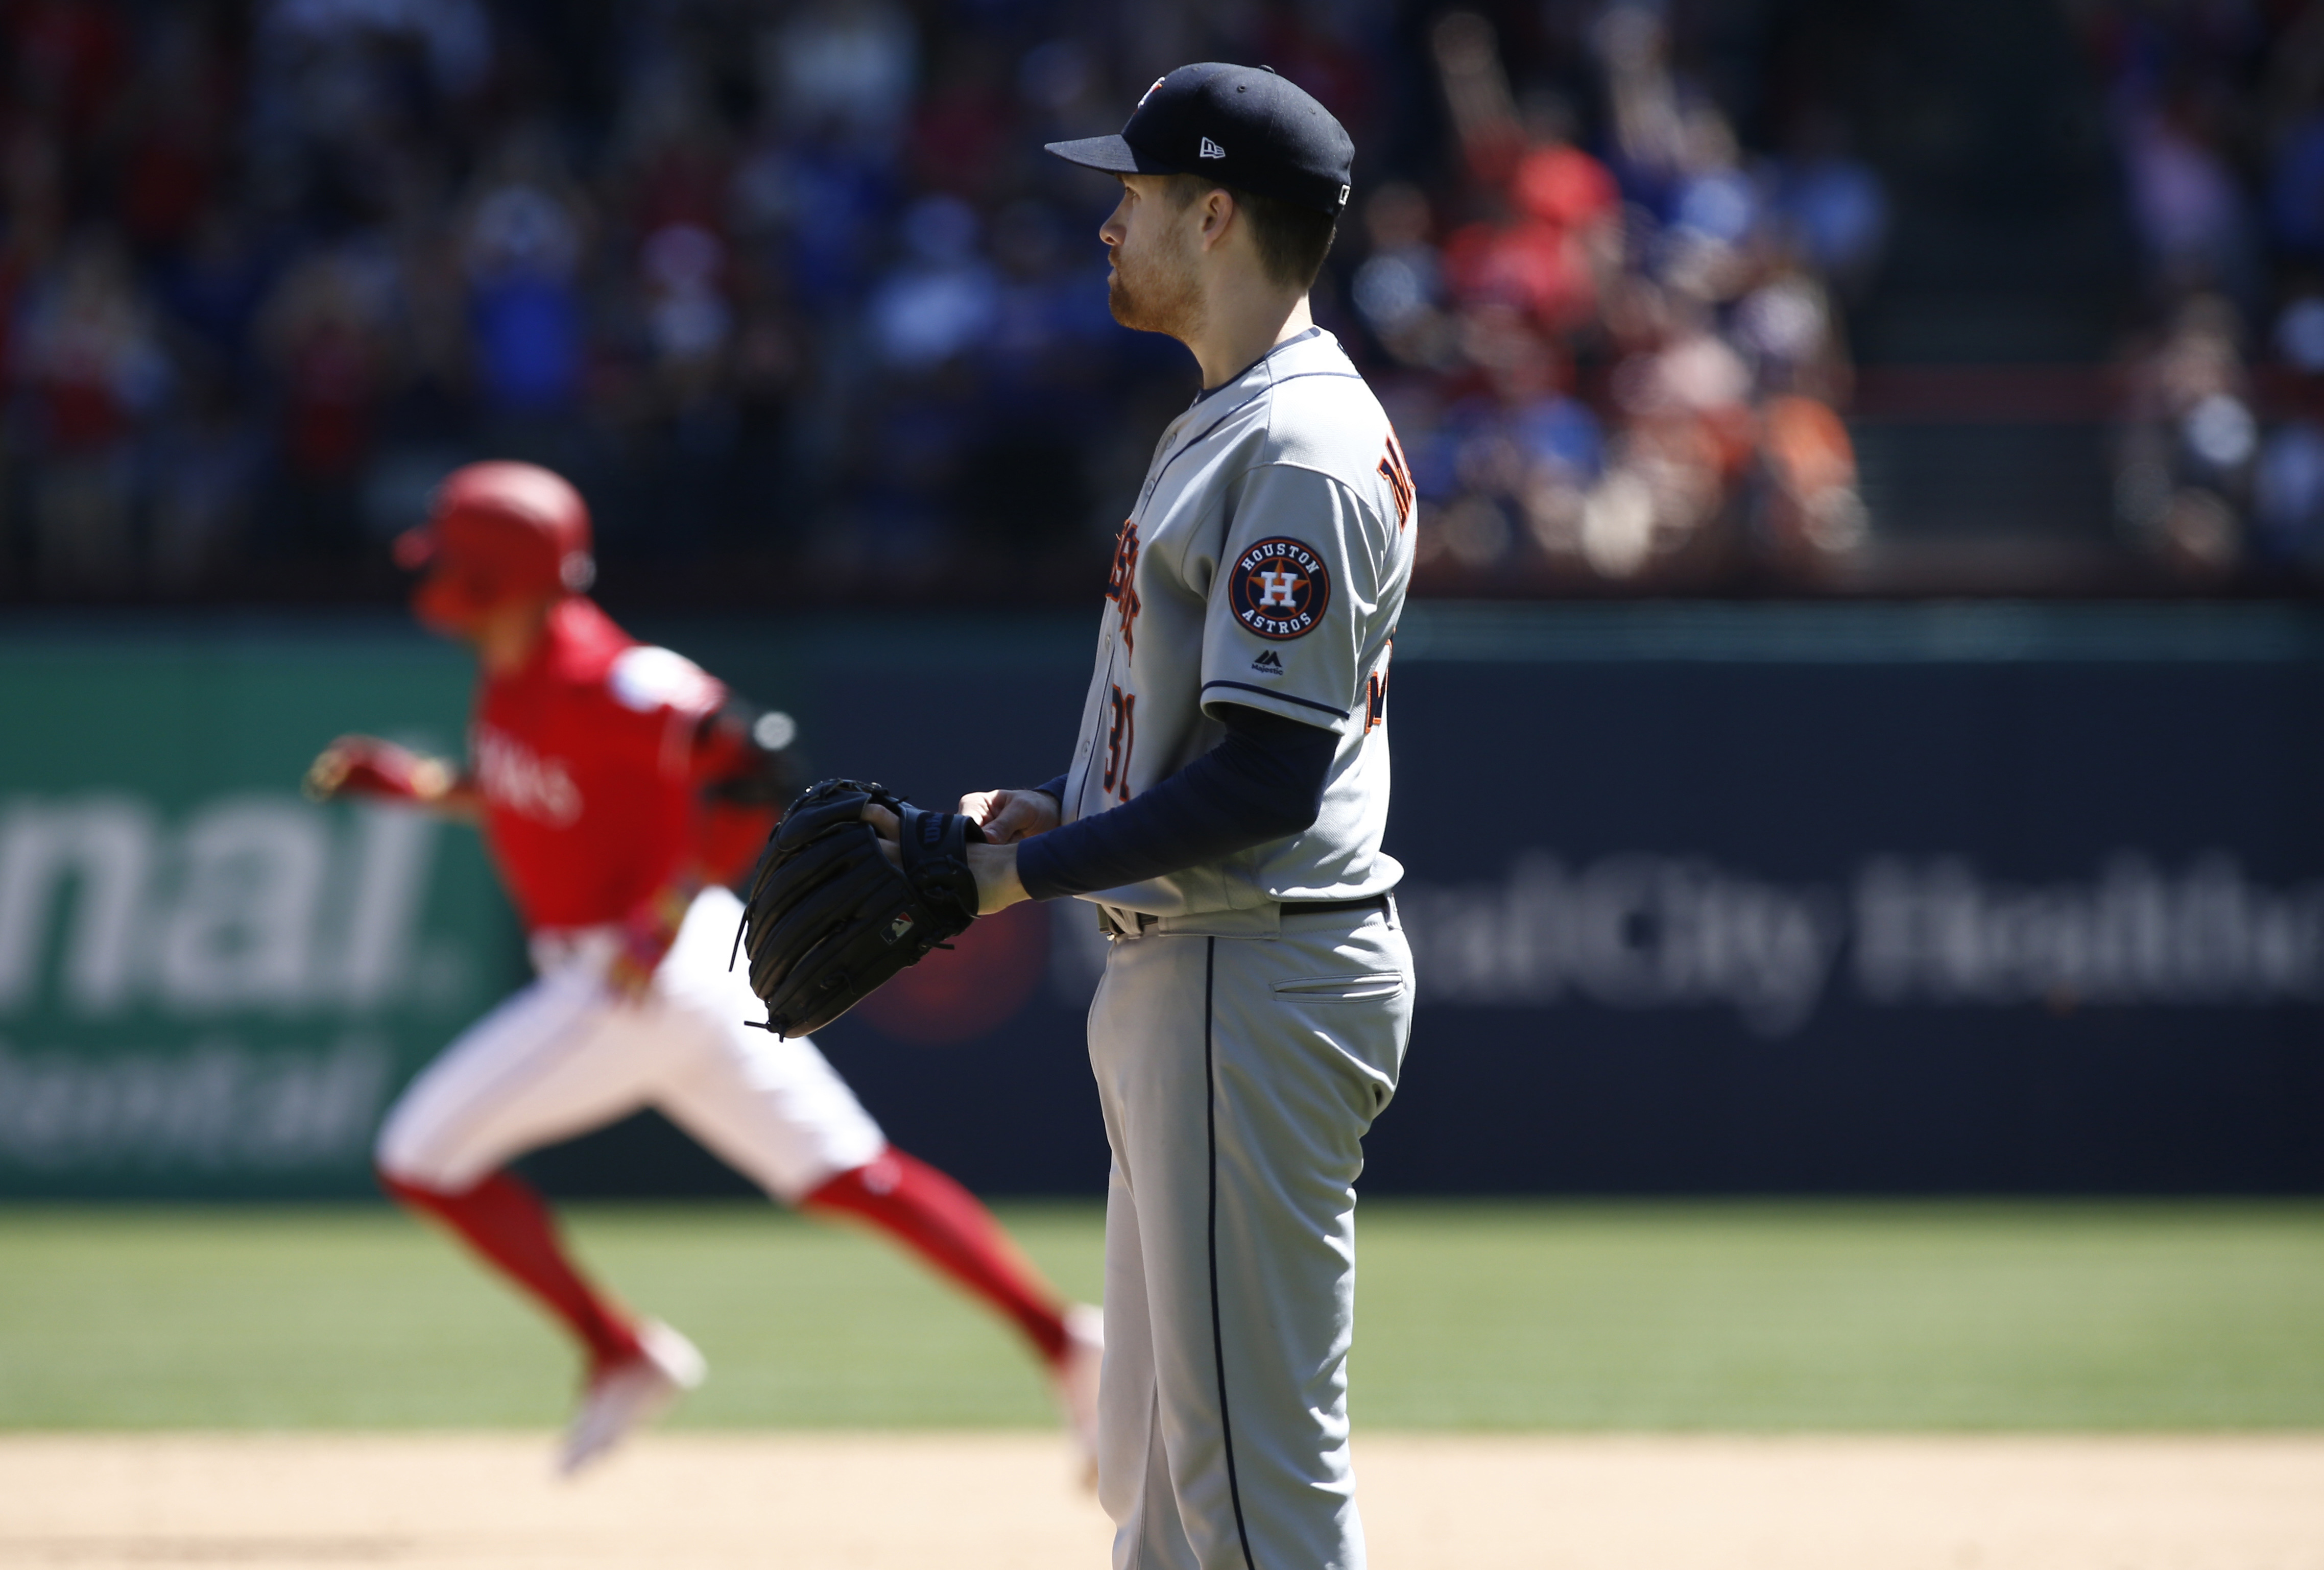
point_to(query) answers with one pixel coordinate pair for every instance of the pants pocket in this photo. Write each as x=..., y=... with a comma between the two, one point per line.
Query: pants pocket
x=1374, y=987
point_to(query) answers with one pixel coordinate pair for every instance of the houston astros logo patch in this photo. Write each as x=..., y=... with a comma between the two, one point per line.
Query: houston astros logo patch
x=1279, y=588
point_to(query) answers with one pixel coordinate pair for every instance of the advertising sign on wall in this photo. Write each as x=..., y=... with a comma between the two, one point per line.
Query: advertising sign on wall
x=1885, y=899
x=209, y=986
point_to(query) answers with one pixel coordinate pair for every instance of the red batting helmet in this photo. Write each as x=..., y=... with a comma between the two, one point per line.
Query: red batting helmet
x=497, y=532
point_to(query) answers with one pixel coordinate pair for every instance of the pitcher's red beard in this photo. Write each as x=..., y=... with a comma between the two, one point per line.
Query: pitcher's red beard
x=1152, y=294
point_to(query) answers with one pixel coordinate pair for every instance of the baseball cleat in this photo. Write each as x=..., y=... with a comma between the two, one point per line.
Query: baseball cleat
x=1074, y=1380
x=630, y=1395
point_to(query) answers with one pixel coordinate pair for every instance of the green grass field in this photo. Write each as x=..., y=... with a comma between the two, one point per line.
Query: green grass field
x=1739, y=1317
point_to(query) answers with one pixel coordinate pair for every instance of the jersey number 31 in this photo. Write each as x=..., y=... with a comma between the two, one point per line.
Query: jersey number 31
x=1118, y=742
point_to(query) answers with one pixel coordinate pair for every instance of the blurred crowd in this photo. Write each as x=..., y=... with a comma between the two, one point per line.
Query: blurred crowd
x=2217, y=112
x=783, y=287
x=790, y=289
x=1615, y=343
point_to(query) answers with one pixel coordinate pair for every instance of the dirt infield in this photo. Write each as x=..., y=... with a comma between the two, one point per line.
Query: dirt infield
x=861, y=1501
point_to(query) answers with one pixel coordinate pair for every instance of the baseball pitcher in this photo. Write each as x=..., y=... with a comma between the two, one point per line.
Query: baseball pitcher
x=1222, y=811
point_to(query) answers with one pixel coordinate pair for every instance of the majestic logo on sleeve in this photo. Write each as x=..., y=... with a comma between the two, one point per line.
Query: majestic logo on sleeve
x=1279, y=588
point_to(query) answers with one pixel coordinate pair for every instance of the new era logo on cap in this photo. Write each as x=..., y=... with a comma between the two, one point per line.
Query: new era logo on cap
x=1211, y=149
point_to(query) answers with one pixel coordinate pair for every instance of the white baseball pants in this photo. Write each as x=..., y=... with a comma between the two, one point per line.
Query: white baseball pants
x=565, y=1056
x=1238, y=1076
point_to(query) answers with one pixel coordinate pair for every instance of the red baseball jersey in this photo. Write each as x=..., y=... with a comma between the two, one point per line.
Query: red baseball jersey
x=587, y=761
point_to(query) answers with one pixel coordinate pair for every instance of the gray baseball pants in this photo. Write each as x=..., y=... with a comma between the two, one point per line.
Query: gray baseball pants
x=1239, y=1061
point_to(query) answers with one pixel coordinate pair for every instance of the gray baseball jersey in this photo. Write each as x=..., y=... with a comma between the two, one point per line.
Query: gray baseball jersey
x=1265, y=564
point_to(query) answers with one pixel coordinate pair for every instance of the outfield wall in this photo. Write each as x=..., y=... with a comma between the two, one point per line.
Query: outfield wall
x=1705, y=899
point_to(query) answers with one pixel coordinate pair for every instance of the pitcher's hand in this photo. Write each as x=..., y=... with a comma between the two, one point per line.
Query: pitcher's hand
x=1009, y=816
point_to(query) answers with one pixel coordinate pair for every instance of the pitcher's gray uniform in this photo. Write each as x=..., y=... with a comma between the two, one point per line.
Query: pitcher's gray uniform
x=1243, y=1045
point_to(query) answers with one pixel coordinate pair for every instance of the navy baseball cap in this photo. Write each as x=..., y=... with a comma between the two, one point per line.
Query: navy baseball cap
x=1241, y=125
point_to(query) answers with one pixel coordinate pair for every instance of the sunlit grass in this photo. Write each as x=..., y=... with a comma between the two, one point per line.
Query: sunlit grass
x=1486, y=1314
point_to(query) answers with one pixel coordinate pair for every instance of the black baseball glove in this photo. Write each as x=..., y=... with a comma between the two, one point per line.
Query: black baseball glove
x=829, y=918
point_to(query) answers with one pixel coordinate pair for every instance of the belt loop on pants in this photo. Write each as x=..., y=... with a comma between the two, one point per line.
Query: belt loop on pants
x=1124, y=923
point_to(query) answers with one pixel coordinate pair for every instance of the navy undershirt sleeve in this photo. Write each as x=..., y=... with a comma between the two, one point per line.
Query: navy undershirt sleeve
x=1263, y=782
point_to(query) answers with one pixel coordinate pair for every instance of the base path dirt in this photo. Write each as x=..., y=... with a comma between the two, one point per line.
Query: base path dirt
x=872, y=1502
